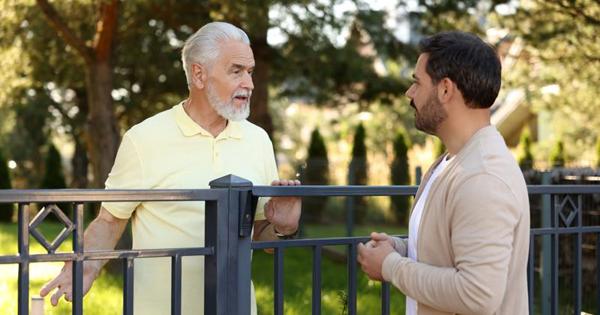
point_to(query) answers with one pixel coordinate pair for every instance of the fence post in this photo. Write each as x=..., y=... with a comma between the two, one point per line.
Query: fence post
x=235, y=228
x=546, y=265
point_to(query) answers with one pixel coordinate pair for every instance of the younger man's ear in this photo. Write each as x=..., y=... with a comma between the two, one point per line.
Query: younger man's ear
x=446, y=90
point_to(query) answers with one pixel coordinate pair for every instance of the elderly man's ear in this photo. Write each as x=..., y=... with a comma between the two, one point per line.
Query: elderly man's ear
x=198, y=76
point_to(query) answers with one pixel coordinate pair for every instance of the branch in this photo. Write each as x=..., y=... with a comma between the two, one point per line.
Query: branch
x=64, y=31
x=106, y=29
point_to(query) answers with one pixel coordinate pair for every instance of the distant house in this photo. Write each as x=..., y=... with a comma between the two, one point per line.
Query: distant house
x=512, y=112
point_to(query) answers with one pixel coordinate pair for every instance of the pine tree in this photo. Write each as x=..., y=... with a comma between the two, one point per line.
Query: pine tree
x=400, y=176
x=316, y=173
x=54, y=177
x=557, y=156
x=6, y=210
x=357, y=173
x=525, y=158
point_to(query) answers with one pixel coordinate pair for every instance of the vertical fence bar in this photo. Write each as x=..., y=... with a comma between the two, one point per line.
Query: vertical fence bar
x=598, y=273
x=176, y=285
x=578, y=256
x=349, y=216
x=278, y=278
x=128, y=286
x=554, y=260
x=385, y=298
x=352, y=279
x=316, y=283
x=531, y=274
x=23, y=242
x=78, y=262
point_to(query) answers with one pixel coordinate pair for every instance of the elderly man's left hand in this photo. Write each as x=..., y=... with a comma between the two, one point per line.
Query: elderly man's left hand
x=371, y=257
x=284, y=212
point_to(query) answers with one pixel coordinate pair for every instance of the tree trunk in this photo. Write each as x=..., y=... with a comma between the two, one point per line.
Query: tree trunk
x=102, y=132
x=259, y=113
x=260, y=96
x=102, y=135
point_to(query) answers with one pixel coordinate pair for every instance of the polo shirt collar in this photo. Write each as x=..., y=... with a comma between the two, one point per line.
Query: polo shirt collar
x=190, y=128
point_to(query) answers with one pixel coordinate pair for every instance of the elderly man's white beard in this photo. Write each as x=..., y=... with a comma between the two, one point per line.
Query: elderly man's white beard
x=228, y=110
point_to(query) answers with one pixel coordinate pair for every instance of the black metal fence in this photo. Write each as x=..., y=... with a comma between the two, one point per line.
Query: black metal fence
x=230, y=207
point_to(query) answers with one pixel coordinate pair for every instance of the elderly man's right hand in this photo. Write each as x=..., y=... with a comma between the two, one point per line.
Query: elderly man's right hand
x=63, y=283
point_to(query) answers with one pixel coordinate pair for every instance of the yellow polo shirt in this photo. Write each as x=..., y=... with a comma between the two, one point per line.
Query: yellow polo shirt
x=171, y=151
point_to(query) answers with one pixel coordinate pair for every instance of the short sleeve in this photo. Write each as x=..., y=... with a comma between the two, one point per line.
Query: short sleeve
x=270, y=174
x=126, y=173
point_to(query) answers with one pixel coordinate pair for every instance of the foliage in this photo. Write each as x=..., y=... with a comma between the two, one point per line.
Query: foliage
x=525, y=157
x=316, y=173
x=357, y=172
x=54, y=177
x=400, y=176
x=310, y=62
x=598, y=152
x=438, y=147
x=557, y=156
x=6, y=210
x=555, y=56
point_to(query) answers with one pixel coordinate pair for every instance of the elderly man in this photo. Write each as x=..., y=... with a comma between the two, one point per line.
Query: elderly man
x=200, y=139
x=468, y=240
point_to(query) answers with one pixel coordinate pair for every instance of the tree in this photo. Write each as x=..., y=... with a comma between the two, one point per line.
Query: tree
x=557, y=156
x=54, y=177
x=316, y=173
x=102, y=131
x=525, y=157
x=140, y=74
x=557, y=65
x=400, y=176
x=6, y=209
x=357, y=172
x=598, y=153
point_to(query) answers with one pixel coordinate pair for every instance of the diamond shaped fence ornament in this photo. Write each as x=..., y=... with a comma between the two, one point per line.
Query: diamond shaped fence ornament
x=567, y=209
x=39, y=218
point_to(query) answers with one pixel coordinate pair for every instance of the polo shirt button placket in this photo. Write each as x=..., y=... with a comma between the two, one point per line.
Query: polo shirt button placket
x=216, y=160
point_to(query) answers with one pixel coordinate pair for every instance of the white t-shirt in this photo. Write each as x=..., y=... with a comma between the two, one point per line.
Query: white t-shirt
x=415, y=221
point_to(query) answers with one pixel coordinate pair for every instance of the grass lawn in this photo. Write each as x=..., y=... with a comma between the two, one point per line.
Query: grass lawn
x=105, y=297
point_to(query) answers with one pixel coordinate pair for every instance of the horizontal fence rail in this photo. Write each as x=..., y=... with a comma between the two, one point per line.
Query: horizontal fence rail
x=228, y=246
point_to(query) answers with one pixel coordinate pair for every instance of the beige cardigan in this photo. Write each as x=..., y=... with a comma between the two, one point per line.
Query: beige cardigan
x=473, y=237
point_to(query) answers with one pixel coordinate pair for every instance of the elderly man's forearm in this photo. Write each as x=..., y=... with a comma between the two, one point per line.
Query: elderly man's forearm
x=103, y=234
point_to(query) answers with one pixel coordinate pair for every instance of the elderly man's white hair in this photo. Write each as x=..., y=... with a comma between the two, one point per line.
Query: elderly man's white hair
x=203, y=46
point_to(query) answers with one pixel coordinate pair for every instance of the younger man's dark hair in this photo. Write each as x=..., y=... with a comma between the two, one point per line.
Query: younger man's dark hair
x=466, y=60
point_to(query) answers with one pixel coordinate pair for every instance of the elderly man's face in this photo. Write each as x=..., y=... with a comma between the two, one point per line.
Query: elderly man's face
x=229, y=85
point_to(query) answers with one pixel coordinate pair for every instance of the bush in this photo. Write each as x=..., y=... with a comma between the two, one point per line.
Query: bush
x=525, y=157
x=357, y=172
x=400, y=176
x=316, y=173
x=557, y=156
x=6, y=210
